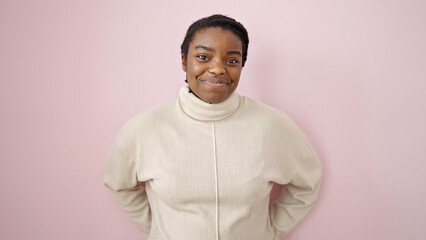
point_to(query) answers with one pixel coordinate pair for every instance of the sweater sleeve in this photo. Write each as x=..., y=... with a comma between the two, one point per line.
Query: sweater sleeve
x=120, y=177
x=298, y=195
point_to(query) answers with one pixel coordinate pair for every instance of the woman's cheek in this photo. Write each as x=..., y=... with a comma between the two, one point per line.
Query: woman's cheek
x=235, y=75
x=196, y=69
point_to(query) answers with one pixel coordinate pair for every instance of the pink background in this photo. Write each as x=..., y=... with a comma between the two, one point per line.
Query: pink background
x=352, y=74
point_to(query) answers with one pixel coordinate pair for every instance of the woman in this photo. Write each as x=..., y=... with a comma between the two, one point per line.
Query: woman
x=210, y=157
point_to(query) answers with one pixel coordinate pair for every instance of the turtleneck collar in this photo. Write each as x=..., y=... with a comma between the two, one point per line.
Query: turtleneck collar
x=203, y=111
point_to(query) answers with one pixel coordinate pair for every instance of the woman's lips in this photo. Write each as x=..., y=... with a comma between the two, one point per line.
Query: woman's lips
x=215, y=82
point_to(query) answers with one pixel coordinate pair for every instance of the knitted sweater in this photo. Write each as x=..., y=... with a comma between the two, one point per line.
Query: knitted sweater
x=209, y=170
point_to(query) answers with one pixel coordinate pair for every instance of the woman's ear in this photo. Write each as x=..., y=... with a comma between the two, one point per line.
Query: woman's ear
x=183, y=63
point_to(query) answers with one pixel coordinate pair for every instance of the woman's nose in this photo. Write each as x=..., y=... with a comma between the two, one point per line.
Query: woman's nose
x=217, y=67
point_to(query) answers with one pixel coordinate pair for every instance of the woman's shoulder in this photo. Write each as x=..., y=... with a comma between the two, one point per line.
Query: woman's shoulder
x=274, y=122
x=155, y=113
x=277, y=128
x=266, y=112
x=148, y=119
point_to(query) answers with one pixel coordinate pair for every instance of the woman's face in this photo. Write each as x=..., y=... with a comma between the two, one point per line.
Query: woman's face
x=213, y=65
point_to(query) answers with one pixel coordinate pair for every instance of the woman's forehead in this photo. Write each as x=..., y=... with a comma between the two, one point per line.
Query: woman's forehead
x=216, y=37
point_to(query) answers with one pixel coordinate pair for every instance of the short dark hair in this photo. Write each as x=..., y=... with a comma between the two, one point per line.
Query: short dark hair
x=221, y=21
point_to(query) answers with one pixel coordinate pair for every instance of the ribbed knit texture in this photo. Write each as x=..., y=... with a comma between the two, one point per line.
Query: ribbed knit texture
x=209, y=170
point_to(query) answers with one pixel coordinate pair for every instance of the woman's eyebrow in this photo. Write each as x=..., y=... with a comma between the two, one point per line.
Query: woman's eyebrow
x=234, y=52
x=212, y=50
x=204, y=47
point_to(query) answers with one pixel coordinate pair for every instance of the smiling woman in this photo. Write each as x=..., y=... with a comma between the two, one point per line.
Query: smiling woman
x=210, y=157
x=213, y=65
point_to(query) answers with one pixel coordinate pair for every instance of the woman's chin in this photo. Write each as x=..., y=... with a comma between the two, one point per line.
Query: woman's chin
x=213, y=97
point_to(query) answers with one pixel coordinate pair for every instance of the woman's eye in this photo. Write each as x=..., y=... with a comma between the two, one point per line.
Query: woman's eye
x=202, y=57
x=232, y=61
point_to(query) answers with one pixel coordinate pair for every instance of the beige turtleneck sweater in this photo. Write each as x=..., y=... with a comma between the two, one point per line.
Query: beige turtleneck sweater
x=209, y=170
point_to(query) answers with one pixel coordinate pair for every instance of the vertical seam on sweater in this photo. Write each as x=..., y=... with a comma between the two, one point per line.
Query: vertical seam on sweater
x=216, y=182
x=299, y=156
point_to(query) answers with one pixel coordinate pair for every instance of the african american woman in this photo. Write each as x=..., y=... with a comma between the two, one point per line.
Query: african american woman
x=210, y=157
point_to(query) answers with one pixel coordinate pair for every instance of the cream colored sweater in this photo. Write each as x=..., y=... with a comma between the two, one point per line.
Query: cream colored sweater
x=209, y=170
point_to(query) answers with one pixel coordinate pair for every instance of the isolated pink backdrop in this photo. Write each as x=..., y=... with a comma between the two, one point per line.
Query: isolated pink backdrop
x=352, y=74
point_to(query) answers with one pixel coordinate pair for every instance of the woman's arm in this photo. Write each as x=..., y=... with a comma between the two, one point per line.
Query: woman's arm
x=298, y=195
x=121, y=179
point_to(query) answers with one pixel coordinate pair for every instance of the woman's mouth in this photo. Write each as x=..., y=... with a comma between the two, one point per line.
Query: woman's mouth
x=214, y=82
